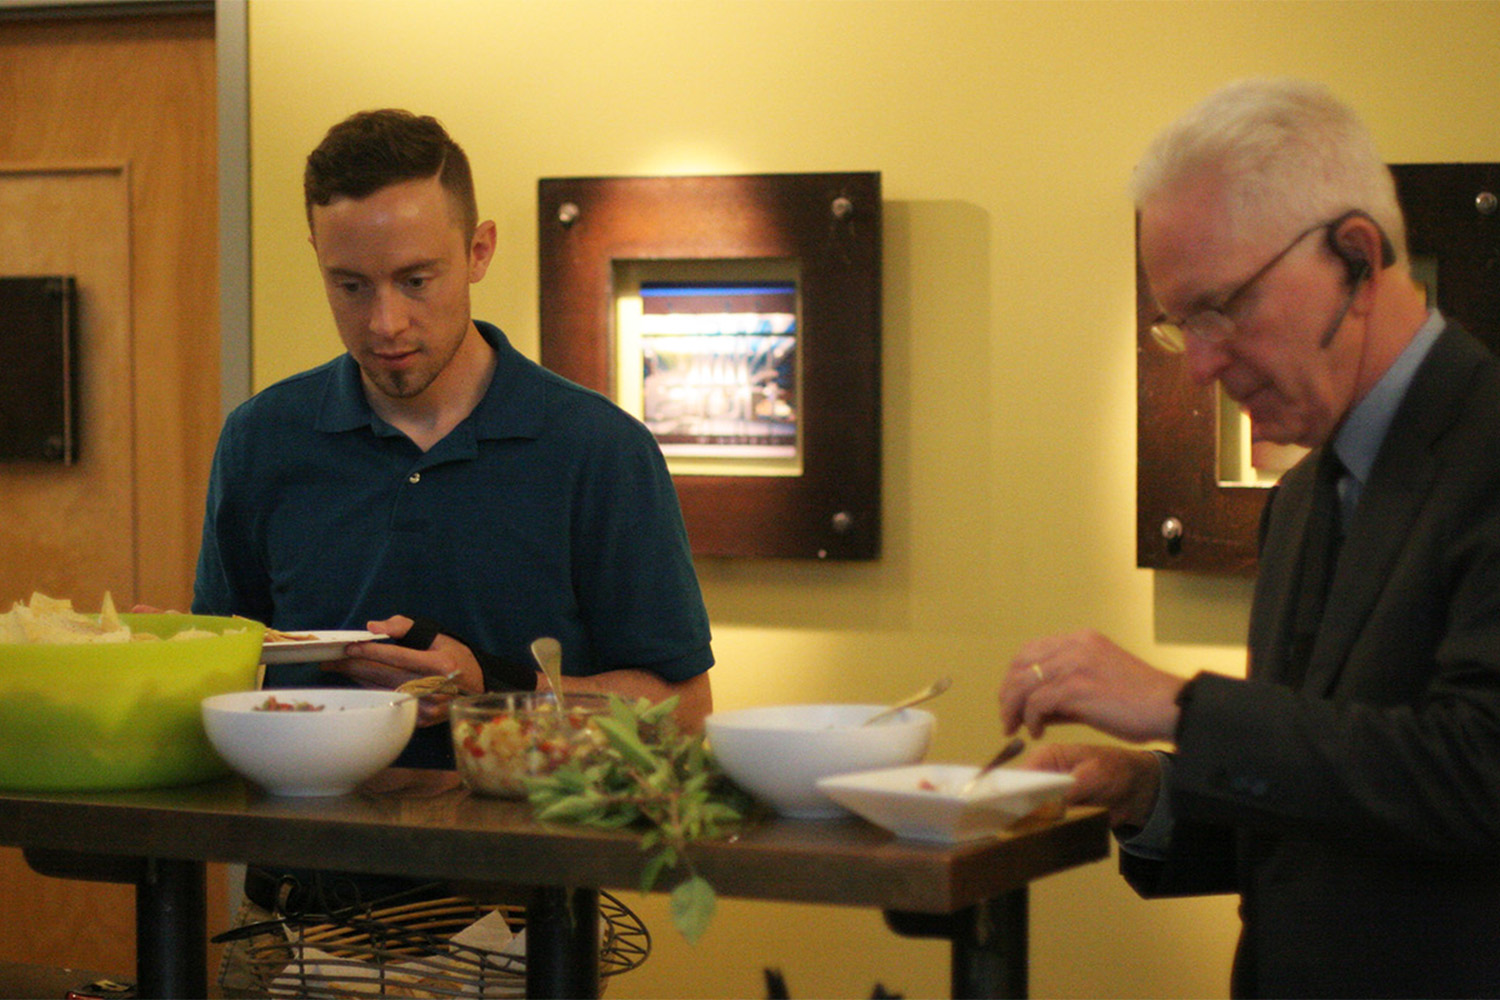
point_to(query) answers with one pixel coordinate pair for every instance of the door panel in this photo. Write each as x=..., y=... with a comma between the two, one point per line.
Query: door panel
x=131, y=98
x=68, y=530
x=139, y=92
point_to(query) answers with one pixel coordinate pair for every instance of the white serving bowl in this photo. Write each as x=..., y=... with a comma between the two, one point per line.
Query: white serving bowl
x=931, y=802
x=356, y=734
x=778, y=753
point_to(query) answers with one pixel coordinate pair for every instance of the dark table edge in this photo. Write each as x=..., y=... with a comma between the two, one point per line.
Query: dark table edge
x=784, y=860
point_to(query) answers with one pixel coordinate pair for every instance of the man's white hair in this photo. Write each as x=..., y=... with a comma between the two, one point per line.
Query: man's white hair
x=1289, y=153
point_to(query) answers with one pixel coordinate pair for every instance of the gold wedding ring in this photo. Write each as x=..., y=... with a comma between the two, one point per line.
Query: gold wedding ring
x=1036, y=668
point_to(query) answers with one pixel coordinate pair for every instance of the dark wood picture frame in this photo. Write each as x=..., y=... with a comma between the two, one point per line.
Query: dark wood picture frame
x=39, y=377
x=830, y=224
x=1185, y=518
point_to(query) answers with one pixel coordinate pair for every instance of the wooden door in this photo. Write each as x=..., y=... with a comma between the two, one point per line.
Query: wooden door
x=107, y=170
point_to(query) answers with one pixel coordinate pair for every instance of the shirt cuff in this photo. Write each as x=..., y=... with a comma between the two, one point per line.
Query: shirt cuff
x=1152, y=840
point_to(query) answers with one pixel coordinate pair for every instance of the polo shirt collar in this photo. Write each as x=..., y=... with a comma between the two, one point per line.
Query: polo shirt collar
x=511, y=407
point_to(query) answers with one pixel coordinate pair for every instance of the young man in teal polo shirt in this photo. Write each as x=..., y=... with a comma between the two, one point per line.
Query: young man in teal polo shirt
x=433, y=484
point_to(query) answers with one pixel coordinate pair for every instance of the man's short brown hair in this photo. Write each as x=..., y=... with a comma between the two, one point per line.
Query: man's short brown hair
x=371, y=150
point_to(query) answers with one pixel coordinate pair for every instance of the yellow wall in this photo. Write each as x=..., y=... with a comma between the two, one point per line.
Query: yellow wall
x=1005, y=132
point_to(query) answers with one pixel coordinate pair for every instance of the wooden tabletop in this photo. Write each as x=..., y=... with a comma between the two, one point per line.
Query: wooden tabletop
x=423, y=824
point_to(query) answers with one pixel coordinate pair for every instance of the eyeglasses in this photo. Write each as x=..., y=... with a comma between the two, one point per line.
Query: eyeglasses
x=1214, y=326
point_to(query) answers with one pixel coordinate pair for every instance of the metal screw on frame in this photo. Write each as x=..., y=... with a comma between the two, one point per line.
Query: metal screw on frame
x=1172, y=531
x=567, y=213
x=1486, y=203
x=842, y=207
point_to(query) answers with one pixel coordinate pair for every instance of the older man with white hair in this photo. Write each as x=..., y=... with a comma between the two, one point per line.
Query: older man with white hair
x=1349, y=788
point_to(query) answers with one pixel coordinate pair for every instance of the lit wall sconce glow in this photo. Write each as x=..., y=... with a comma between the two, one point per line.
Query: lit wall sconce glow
x=687, y=160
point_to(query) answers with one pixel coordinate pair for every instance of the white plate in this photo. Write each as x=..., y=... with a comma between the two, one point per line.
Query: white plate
x=922, y=802
x=322, y=647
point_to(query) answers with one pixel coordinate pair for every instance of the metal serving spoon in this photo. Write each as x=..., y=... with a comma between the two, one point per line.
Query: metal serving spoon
x=1007, y=753
x=929, y=692
x=424, y=687
x=548, y=654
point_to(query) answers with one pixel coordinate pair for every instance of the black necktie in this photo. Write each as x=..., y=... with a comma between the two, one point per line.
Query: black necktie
x=1320, y=554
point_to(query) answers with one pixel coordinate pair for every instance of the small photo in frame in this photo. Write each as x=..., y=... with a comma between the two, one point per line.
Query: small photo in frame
x=708, y=359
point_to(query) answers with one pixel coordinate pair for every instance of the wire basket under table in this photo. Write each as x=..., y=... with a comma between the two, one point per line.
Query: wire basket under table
x=407, y=951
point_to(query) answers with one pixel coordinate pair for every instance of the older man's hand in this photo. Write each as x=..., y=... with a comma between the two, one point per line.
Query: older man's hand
x=1084, y=677
x=1126, y=782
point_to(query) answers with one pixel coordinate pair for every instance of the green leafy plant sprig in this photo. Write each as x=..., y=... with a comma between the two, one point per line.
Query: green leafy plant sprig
x=648, y=772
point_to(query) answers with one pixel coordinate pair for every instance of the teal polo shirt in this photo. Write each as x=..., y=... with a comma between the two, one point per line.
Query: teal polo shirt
x=547, y=511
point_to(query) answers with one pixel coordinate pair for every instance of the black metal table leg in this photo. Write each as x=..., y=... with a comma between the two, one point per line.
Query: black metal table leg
x=171, y=914
x=562, y=942
x=990, y=942
x=171, y=929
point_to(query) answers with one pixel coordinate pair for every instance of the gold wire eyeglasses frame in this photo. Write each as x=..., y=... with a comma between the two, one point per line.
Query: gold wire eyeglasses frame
x=1214, y=325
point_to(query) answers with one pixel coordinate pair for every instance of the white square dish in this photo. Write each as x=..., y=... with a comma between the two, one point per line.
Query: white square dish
x=923, y=801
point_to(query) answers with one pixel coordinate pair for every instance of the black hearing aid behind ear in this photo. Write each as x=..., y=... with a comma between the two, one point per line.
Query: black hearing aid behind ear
x=1356, y=267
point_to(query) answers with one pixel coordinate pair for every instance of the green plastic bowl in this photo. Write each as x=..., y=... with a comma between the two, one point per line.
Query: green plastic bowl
x=119, y=715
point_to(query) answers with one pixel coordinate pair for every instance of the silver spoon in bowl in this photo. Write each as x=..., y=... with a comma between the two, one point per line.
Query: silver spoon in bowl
x=548, y=654
x=929, y=692
x=1007, y=753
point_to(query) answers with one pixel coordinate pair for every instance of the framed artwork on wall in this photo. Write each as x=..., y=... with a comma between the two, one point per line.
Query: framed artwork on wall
x=739, y=318
x=39, y=369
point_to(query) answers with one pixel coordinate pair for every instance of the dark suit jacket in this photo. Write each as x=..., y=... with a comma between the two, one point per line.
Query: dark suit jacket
x=1359, y=815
